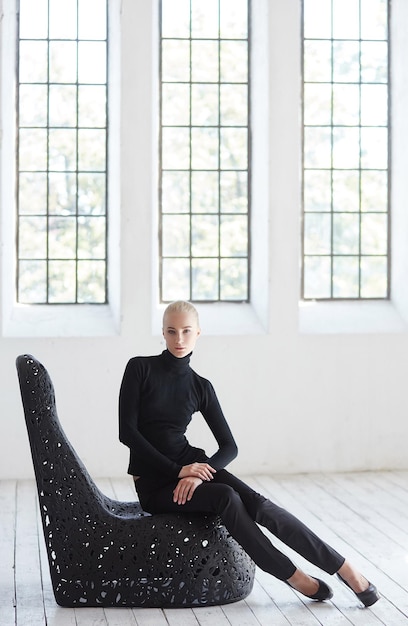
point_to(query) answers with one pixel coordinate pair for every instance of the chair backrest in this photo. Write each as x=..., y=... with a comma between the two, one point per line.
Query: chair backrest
x=58, y=469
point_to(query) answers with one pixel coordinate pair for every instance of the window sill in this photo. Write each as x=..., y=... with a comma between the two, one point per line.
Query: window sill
x=60, y=321
x=350, y=318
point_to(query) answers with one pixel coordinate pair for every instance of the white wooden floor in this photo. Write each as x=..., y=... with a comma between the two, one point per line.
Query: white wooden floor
x=364, y=516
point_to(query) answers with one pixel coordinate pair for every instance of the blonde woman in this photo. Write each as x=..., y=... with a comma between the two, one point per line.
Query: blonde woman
x=158, y=397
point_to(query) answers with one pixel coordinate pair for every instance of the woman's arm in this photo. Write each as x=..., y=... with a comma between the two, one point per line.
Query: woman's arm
x=213, y=415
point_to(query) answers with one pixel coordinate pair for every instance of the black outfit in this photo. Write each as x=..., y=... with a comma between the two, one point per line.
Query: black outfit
x=158, y=397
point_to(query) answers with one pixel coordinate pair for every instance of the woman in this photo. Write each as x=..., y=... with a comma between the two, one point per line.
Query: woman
x=158, y=396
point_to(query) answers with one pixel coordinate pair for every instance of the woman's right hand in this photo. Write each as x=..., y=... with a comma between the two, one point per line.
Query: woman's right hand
x=198, y=470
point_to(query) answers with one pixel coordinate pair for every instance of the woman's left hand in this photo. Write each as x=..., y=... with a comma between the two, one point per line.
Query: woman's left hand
x=185, y=489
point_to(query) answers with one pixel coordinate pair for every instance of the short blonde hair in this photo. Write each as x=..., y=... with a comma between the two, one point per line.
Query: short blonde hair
x=181, y=306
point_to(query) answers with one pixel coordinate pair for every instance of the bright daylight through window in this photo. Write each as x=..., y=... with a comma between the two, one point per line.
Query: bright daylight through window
x=346, y=83
x=62, y=138
x=204, y=206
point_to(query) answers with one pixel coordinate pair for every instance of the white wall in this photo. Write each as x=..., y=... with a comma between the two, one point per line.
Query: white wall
x=304, y=388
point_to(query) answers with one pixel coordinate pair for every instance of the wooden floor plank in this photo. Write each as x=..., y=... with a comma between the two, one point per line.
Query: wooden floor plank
x=29, y=590
x=363, y=515
x=7, y=545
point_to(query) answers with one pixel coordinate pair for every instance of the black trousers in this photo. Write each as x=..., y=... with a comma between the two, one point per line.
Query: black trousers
x=241, y=510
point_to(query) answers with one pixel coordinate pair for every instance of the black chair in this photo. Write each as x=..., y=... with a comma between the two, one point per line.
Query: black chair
x=103, y=552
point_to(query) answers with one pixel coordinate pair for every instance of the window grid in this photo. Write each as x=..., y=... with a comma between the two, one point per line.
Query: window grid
x=217, y=271
x=62, y=100
x=346, y=219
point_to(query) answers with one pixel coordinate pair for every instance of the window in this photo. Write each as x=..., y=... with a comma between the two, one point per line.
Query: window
x=346, y=162
x=62, y=152
x=204, y=150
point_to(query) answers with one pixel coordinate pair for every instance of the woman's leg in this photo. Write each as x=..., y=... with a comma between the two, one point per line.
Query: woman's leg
x=284, y=525
x=299, y=537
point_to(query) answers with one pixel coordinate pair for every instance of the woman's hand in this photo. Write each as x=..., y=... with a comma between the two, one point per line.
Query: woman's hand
x=197, y=470
x=185, y=489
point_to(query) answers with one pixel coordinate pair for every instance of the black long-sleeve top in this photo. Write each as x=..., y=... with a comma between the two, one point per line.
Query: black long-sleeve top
x=158, y=397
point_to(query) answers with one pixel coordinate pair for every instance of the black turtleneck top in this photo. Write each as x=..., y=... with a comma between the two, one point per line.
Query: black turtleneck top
x=158, y=397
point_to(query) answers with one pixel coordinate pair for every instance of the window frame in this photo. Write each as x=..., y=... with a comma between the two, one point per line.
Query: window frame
x=219, y=257
x=56, y=320
x=359, y=255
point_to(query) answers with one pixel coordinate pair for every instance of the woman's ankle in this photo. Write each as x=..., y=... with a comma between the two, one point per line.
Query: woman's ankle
x=304, y=583
x=353, y=577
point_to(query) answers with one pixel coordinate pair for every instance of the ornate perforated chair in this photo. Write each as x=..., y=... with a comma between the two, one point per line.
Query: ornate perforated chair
x=103, y=552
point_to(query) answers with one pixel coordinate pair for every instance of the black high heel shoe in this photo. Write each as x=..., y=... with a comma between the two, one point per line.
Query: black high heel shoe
x=323, y=593
x=367, y=597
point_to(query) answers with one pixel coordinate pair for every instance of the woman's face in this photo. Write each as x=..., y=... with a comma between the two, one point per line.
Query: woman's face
x=180, y=332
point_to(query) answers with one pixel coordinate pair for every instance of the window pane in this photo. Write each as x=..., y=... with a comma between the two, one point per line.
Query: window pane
x=204, y=148
x=234, y=151
x=204, y=140
x=92, y=17
x=204, y=104
x=175, y=60
x=234, y=105
x=176, y=148
x=63, y=62
x=234, y=230
x=33, y=19
x=204, y=18
x=62, y=105
x=33, y=237
x=32, y=193
x=317, y=277
x=62, y=193
x=234, y=61
x=63, y=19
x=92, y=194
x=176, y=104
x=176, y=192
x=234, y=19
x=175, y=18
x=33, y=62
x=317, y=192
x=204, y=61
x=92, y=62
x=205, y=235
x=91, y=105
x=32, y=149
x=176, y=279
x=92, y=150
x=205, y=279
x=32, y=282
x=234, y=192
x=91, y=238
x=176, y=239
x=62, y=281
x=62, y=238
x=317, y=233
x=317, y=19
x=374, y=277
x=62, y=143
x=91, y=281
x=204, y=192
x=346, y=278
x=234, y=279
x=346, y=233
x=346, y=191
x=62, y=147
x=33, y=105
